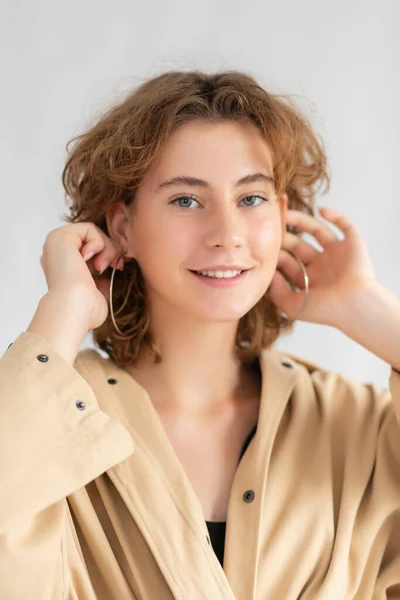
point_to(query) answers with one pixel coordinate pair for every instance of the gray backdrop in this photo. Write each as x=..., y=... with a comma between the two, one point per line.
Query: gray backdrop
x=62, y=62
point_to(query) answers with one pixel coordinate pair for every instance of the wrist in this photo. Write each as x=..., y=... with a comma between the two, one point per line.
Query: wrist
x=62, y=318
x=370, y=316
x=354, y=307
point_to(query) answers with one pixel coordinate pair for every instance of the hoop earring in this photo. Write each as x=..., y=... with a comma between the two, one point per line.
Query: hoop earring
x=111, y=302
x=286, y=322
x=306, y=287
x=111, y=298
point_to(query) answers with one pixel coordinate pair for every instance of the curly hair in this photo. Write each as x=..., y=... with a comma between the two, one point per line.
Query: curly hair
x=108, y=161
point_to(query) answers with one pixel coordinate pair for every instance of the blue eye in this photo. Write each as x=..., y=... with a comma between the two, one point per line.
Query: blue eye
x=253, y=196
x=185, y=198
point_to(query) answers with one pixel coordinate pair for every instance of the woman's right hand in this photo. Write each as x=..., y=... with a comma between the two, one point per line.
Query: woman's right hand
x=72, y=255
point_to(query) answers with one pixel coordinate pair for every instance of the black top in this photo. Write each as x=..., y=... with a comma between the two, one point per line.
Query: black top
x=217, y=529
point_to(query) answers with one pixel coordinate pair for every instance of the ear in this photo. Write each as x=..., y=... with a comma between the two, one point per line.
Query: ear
x=118, y=219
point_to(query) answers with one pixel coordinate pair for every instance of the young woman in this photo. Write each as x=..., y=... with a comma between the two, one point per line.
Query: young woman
x=194, y=460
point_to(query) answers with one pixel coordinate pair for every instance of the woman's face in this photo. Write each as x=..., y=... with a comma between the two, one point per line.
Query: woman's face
x=193, y=213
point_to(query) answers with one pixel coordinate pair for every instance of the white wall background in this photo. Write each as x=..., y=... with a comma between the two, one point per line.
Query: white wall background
x=62, y=62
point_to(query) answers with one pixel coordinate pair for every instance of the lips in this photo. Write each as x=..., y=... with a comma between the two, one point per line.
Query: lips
x=225, y=274
x=220, y=282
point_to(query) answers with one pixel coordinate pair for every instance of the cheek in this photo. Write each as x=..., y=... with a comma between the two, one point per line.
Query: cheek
x=267, y=239
x=162, y=249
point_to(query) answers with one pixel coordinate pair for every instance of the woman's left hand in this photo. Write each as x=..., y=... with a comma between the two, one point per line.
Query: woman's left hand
x=342, y=267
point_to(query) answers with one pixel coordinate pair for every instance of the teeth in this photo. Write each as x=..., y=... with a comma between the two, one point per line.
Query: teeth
x=219, y=274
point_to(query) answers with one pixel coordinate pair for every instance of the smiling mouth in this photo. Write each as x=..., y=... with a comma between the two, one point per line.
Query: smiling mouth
x=219, y=274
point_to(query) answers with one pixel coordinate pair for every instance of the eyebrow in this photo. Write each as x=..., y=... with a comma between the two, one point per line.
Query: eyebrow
x=194, y=181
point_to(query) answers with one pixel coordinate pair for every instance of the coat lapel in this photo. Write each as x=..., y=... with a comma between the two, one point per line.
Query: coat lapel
x=159, y=496
x=244, y=521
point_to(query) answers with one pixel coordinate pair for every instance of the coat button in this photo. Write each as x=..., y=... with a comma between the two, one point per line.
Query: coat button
x=288, y=365
x=43, y=357
x=249, y=496
x=112, y=381
x=80, y=405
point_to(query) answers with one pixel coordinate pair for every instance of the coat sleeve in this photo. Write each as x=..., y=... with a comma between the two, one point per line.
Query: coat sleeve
x=54, y=439
x=364, y=429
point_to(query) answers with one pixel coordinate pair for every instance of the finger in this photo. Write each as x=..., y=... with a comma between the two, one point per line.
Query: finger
x=95, y=270
x=304, y=251
x=346, y=225
x=104, y=251
x=291, y=269
x=309, y=224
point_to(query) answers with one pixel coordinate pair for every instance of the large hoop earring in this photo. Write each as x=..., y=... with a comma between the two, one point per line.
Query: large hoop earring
x=111, y=298
x=287, y=321
x=111, y=301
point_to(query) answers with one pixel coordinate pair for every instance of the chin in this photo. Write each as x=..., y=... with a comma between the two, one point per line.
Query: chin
x=222, y=315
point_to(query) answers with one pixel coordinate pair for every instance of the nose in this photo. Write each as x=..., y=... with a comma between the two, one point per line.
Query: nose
x=225, y=227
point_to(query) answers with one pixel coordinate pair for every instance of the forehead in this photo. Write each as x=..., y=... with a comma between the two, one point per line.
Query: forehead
x=225, y=149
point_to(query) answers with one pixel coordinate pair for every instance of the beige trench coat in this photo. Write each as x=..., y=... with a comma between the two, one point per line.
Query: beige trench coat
x=94, y=503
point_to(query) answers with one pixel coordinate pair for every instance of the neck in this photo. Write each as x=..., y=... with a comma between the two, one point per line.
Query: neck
x=199, y=372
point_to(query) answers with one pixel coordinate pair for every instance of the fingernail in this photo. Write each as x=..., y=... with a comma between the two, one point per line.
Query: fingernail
x=88, y=256
x=103, y=267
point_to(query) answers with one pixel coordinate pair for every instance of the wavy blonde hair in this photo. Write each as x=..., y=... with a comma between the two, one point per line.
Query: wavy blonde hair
x=108, y=161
